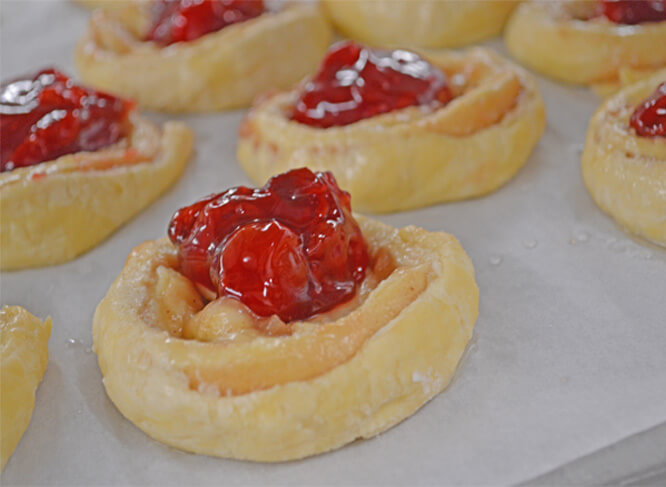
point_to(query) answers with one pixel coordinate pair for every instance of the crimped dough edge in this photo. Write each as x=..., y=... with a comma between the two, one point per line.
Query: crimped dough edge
x=56, y=210
x=419, y=23
x=544, y=37
x=399, y=161
x=625, y=173
x=219, y=71
x=396, y=371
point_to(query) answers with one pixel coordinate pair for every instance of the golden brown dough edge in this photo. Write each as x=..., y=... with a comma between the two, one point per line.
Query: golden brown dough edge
x=418, y=23
x=56, y=210
x=401, y=367
x=544, y=37
x=219, y=71
x=24, y=355
x=395, y=162
x=626, y=174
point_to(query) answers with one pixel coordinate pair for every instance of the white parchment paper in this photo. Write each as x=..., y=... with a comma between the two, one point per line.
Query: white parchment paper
x=568, y=354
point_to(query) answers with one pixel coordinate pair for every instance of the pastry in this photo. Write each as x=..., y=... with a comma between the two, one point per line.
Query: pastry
x=624, y=160
x=23, y=358
x=273, y=324
x=419, y=23
x=590, y=42
x=203, y=56
x=399, y=130
x=626, y=76
x=106, y=4
x=75, y=164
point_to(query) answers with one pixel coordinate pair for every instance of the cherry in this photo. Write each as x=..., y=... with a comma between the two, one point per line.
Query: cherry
x=649, y=118
x=264, y=265
x=356, y=82
x=291, y=248
x=47, y=116
x=631, y=12
x=187, y=20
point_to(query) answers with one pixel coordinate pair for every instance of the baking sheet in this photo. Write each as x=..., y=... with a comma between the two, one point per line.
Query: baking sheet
x=568, y=354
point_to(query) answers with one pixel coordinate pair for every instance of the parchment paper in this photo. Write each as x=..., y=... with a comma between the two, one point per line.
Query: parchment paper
x=568, y=354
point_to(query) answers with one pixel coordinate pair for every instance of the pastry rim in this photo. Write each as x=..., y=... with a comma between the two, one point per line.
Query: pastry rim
x=626, y=173
x=300, y=431
x=266, y=131
x=555, y=20
x=95, y=59
x=12, y=321
x=444, y=34
x=146, y=147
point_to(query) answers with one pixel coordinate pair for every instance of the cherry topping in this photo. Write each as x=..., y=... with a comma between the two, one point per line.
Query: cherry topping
x=356, y=82
x=291, y=248
x=631, y=12
x=187, y=20
x=47, y=116
x=649, y=119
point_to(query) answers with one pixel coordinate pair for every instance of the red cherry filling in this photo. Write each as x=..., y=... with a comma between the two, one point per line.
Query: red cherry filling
x=649, y=119
x=356, y=82
x=291, y=248
x=187, y=20
x=47, y=116
x=631, y=12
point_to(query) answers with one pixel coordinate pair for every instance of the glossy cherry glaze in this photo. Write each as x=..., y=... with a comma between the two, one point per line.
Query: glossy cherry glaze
x=356, y=82
x=631, y=12
x=291, y=248
x=46, y=116
x=649, y=119
x=187, y=20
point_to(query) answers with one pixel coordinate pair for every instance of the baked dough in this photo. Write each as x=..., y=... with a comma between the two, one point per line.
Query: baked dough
x=106, y=4
x=625, y=173
x=237, y=392
x=221, y=70
x=56, y=210
x=419, y=23
x=554, y=38
x=410, y=158
x=626, y=76
x=23, y=358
